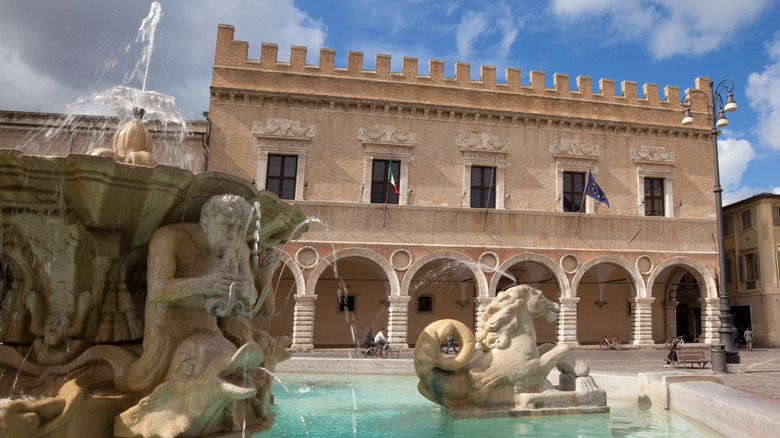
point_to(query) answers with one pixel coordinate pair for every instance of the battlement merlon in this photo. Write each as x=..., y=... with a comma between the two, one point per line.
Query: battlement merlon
x=231, y=53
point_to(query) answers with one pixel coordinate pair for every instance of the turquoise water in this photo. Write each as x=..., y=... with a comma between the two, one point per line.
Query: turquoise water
x=390, y=406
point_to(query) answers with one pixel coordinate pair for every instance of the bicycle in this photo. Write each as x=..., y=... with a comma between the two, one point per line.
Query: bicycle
x=680, y=342
x=376, y=351
x=611, y=344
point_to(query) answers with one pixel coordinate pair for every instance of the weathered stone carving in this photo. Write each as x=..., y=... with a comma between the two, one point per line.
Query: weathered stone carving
x=74, y=265
x=653, y=154
x=482, y=140
x=512, y=371
x=575, y=148
x=386, y=134
x=132, y=143
x=283, y=128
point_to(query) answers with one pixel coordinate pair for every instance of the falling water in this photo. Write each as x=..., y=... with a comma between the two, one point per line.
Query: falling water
x=289, y=394
x=119, y=101
x=146, y=33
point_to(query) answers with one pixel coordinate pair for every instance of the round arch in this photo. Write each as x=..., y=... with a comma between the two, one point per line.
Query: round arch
x=699, y=272
x=326, y=262
x=479, y=276
x=289, y=262
x=636, y=277
x=550, y=264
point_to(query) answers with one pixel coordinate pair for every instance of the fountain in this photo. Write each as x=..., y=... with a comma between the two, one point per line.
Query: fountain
x=510, y=377
x=76, y=234
x=129, y=291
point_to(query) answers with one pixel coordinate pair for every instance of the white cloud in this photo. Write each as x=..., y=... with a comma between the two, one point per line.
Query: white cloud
x=472, y=25
x=476, y=27
x=764, y=97
x=669, y=27
x=733, y=157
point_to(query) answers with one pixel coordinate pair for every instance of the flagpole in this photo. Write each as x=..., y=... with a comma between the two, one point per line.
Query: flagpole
x=490, y=187
x=387, y=188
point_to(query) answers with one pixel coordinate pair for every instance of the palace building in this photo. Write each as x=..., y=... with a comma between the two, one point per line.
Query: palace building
x=490, y=180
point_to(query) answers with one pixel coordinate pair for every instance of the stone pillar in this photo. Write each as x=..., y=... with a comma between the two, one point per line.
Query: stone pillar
x=710, y=319
x=642, y=321
x=480, y=303
x=398, y=322
x=567, y=321
x=671, y=319
x=303, y=322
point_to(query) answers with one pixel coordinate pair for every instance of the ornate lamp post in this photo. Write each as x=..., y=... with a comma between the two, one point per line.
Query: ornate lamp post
x=716, y=112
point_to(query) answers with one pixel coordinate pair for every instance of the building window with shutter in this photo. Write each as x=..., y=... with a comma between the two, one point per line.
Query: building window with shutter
x=747, y=221
x=281, y=175
x=654, y=197
x=483, y=187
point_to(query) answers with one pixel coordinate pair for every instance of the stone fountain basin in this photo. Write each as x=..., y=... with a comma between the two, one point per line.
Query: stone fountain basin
x=107, y=194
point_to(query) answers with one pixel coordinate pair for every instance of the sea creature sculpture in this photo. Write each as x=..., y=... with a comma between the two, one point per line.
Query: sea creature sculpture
x=510, y=366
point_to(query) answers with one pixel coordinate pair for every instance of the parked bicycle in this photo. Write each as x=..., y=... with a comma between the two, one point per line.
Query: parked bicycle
x=680, y=342
x=612, y=343
x=377, y=351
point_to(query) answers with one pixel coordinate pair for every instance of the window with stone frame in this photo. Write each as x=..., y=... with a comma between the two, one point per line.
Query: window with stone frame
x=381, y=190
x=283, y=145
x=282, y=175
x=483, y=187
x=573, y=191
x=776, y=215
x=654, y=197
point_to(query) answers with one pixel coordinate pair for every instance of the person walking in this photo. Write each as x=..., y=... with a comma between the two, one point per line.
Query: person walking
x=748, y=335
x=670, y=357
x=450, y=344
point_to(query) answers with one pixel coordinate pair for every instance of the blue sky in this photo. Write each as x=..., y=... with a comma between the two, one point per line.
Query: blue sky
x=54, y=51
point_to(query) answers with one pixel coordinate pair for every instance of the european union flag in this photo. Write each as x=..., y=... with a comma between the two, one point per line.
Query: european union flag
x=594, y=191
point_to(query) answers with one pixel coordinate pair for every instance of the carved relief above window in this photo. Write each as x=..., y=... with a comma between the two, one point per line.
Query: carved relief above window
x=284, y=128
x=656, y=165
x=283, y=138
x=573, y=160
x=386, y=143
x=484, y=151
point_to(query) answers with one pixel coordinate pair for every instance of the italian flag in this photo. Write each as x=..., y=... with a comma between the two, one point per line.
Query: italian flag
x=392, y=179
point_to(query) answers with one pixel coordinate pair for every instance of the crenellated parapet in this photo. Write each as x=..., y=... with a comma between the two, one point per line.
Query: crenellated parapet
x=232, y=54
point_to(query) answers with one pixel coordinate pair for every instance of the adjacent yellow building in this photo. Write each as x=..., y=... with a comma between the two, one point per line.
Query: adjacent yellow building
x=752, y=241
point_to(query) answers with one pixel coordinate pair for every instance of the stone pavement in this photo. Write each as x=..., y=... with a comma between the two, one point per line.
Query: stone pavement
x=760, y=368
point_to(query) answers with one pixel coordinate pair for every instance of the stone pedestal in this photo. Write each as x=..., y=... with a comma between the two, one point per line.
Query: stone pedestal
x=642, y=321
x=671, y=319
x=398, y=322
x=480, y=303
x=710, y=319
x=303, y=323
x=567, y=321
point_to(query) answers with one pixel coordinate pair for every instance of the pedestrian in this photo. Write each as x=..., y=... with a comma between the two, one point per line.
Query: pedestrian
x=670, y=357
x=368, y=339
x=736, y=336
x=748, y=334
x=380, y=339
x=450, y=343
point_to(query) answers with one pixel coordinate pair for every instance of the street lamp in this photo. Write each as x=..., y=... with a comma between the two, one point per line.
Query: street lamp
x=716, y=112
